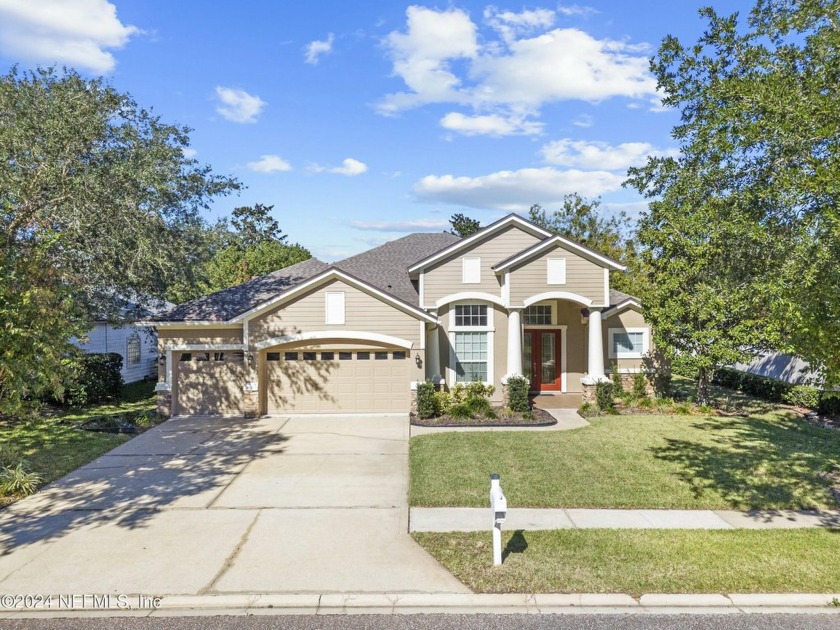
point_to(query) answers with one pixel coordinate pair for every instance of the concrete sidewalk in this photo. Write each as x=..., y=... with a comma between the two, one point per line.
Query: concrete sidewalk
x=478, y=519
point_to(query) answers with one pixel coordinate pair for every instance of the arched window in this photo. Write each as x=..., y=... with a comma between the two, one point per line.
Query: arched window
x=132, y=351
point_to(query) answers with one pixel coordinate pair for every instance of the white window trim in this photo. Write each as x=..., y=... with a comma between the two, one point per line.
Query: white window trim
x=555, y=282
x=464, y=278
x=612, y=332
x=490, y=329
x=337, y=315
x=133, y=337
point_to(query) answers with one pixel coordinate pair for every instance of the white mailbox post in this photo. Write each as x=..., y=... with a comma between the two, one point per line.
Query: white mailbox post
x=498, y=507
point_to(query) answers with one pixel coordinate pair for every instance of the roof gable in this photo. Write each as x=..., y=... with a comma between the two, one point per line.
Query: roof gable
x=480, y=236
x=561, y=242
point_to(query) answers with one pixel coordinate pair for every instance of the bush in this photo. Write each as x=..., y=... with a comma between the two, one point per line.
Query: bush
x=460, y=411
x=443, y=402
x=95, y=378
x=479, y=407
x=426, y=399
x=640, y=385
x=829, y=404
x=517, y=392
x=604, y=394
x=18, y=481
x=802, y=396
x=615, y=376
x=587, y=409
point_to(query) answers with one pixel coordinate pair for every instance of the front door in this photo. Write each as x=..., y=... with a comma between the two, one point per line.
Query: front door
x=541, y=362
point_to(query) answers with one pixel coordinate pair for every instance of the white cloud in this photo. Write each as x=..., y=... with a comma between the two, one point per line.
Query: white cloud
x=491, y=125
x=416, y=225
x=349, y=167
x=584, y=121
x=571, y=10
x=189, y=153
x=516, y=190
x=77, y=33
x=269, y=164
x=510, y=24
x=526, y=68
x=421, y=56
x=238, y=106
x=316, y=48
x=600, y=155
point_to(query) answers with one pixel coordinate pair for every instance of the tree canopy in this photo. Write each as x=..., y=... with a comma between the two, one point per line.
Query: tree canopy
x=757, y=183
x=463, y=226
x=97, y=202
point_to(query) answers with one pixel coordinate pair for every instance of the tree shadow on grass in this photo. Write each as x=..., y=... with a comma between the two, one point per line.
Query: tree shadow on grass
x=756, y=464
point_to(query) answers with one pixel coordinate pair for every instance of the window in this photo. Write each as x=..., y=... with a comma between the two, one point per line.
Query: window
x=556, y=271
x=399, y=355
x=628, y=344
x=132, y=353
x=201, y=356
x=470, y=315
x=363, y=356
x=335, y=308
x=290, y=356
x=218, y=356
x=345, y=356
x=185, y=356
x=381, y=356
x=471, y=270
x=539, y=315
x=310, y=356
x=470, y=357
x=327, y=356
x=239, y=357
x=272, y=356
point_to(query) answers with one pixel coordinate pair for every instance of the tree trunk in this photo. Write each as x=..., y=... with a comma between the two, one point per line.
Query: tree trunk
x=704, y=381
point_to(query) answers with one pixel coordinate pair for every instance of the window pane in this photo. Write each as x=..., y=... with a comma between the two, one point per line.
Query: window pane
x=632, y=342
x=470, y=315
x=363, y=356
x=345, y=356
x=399, y=354
x=381, y=356
x=290, y=356
x=272, y=356
x=470, y=356
x=538, y=315
x=327, y=356
x=310, y=356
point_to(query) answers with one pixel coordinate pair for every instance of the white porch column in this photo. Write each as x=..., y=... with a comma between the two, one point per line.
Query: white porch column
x=595, y=369
x=514, y=351
x=433, y=354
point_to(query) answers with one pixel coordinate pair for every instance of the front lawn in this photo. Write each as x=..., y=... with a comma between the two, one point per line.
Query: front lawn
x=767, y=461
x=644, y=561
x=51, y=443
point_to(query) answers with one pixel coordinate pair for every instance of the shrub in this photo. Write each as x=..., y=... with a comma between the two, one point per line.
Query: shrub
x=640, y=383
x=829, y=404
x=682, y=409
x=460, y=411
x=645, y=403
x=587, y=409
x=95, y=378
x=517, y=392
x=18, y=481
x=802, y=396
x=443, y=402
x=426, y=399
x=615, y=376
x=476, y=389
x=604, y=392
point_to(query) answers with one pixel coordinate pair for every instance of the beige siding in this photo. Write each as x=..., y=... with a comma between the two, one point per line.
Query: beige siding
x=582, y=278
x=629, y=318
x=307, y=313
x=198, y=336
x=208, y=387
x=445, y=278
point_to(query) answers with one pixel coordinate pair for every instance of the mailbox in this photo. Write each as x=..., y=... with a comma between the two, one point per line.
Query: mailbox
x=498, y=502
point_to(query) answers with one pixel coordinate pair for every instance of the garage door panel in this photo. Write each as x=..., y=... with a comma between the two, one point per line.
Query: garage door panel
x=349, y=386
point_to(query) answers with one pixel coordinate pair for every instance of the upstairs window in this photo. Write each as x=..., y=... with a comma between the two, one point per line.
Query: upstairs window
x=470, y=315
x=556, y=271
x=471, y=270
x=538, y=315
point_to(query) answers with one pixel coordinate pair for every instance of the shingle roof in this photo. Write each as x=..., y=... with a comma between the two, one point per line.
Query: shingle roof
x=228, y=303
x=386, y=266
x=617, y=297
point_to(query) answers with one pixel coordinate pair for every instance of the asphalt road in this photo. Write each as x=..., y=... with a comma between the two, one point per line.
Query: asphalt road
x=443, y=622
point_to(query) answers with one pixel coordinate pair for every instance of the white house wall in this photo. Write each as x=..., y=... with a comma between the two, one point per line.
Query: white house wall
x=107, y=338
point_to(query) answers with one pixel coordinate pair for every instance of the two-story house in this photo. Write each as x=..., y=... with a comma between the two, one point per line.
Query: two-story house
x=357, y=336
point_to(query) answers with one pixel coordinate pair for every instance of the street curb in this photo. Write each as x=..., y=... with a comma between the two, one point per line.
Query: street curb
x=455, y=603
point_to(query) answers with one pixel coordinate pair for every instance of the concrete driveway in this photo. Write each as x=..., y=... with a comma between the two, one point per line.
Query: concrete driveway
x=218, y=505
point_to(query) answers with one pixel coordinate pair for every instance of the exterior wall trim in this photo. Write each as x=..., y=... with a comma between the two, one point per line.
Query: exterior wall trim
x=469, y=295
x=354, y=335
x=618, y=308
x=557, y=295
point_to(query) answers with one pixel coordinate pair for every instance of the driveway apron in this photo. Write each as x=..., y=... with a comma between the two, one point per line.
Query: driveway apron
x=227, y=505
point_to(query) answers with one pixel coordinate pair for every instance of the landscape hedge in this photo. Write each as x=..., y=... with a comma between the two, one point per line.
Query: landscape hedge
x=774, y=390
x=96, y=378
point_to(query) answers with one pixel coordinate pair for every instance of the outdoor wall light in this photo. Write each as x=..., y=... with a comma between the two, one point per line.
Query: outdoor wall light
x=418, y=360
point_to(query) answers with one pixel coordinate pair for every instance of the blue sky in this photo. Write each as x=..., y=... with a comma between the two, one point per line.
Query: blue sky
x=363, y=121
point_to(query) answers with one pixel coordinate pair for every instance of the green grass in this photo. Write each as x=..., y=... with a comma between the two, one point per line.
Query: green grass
x=644, y=561
x=763, y=461
x=52, y=445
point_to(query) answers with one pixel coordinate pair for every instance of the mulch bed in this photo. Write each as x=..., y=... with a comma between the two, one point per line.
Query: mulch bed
x=541, y=418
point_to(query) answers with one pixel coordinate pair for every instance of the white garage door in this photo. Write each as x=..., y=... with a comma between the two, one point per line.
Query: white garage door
x=337, y=381
x=210, y=383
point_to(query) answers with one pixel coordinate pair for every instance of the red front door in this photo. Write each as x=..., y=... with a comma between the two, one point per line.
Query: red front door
x=542, y=360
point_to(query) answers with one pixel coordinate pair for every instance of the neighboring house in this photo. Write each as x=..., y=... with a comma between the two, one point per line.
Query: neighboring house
x=357, y=336
x=781, y=366
x=137, y=345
